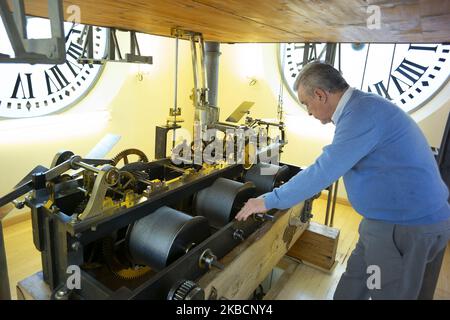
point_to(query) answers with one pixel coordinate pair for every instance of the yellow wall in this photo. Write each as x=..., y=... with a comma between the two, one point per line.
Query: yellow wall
x=121, y=104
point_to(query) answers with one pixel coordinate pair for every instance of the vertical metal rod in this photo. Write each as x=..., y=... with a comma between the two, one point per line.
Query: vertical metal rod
x=195, y=71
x=330, y=196
x=306, y=54
x=390, y=69
x=194, y=67
x=334, y=202
x=90, y=36
x=132, y=43
x=137, y=44
x=339, y=47
x=212, y=54
x=11, y=29
x=280, y=95
x=175, y=102
x=116, y=43
x=19, y=17
x=5, y=293
x=203, y=64
x=89, y=42
x=56, y=15
x=365, y=65
x=111, y=54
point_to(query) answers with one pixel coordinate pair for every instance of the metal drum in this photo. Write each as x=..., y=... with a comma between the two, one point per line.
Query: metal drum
x=220, y=202
x=164, y=236
x=266, y=176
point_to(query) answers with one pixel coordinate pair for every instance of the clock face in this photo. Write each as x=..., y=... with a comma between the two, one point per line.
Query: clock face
x=407, y=74
x=34, y=90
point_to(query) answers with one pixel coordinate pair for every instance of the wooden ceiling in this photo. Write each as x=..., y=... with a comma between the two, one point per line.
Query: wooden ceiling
x=270, y=20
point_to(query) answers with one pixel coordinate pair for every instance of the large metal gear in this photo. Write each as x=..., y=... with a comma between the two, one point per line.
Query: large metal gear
x=124, y=155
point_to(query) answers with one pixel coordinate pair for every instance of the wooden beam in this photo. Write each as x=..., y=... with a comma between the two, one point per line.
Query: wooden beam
x=269, y=20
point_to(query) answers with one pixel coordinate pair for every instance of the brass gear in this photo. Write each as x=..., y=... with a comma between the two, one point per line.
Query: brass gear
x=126, y=181
x=116, y=267
x=130, y=273
x=123, y=155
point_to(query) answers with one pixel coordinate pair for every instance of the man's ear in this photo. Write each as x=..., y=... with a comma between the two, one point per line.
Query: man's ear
x=320, y=94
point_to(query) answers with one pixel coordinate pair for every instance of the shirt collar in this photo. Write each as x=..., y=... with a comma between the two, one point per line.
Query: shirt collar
x=341, y=104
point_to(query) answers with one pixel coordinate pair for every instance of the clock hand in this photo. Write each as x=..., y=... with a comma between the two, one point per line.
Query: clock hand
x=390, y=70
x=70, y=32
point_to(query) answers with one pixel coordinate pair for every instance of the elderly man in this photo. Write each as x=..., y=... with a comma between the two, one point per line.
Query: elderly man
x=392, y=180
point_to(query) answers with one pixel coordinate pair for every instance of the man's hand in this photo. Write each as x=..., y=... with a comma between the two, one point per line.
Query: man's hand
x=252, y=206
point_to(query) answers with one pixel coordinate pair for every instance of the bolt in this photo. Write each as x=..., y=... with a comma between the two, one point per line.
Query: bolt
x=217, y=264
x=61, y=294
x=74, y=219
x=208, y=259
x=238, y=234
x=19, y=204
x=76, y=246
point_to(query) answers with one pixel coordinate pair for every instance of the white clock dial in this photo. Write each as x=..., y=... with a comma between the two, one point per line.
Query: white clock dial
x=35, y=90
x=407, y=74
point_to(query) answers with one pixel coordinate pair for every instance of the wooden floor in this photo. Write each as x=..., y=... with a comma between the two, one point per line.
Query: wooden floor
x=305, y=282
x=299, y=281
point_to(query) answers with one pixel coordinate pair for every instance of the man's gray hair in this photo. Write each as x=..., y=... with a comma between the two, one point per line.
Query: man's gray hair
x=321, y=75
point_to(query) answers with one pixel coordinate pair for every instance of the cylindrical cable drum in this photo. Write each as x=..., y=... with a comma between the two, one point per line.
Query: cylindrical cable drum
x=164, y=236
x=267, y=176
x=220, y=202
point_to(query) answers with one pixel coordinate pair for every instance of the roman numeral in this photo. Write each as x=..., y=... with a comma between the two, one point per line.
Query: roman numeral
x=55, y=79
x=417, y=47
x=72, y=67
x=409, y=71
x=381, y=90
x=406, y=69
x=19, y=84
x=74, y=51
x=72, y=30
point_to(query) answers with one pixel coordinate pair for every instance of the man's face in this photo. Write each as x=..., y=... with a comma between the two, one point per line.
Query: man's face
x=317, y=104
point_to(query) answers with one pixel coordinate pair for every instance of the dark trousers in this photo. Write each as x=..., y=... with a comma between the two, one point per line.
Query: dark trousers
x=393, y=261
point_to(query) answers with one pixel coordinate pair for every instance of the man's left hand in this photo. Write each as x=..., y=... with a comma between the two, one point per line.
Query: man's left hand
x=251, y=207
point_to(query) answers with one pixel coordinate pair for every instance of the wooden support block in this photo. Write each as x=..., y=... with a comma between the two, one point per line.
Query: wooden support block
x=316, y=246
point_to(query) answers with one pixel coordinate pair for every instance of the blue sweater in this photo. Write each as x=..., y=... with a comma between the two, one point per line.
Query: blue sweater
x=389, y=170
